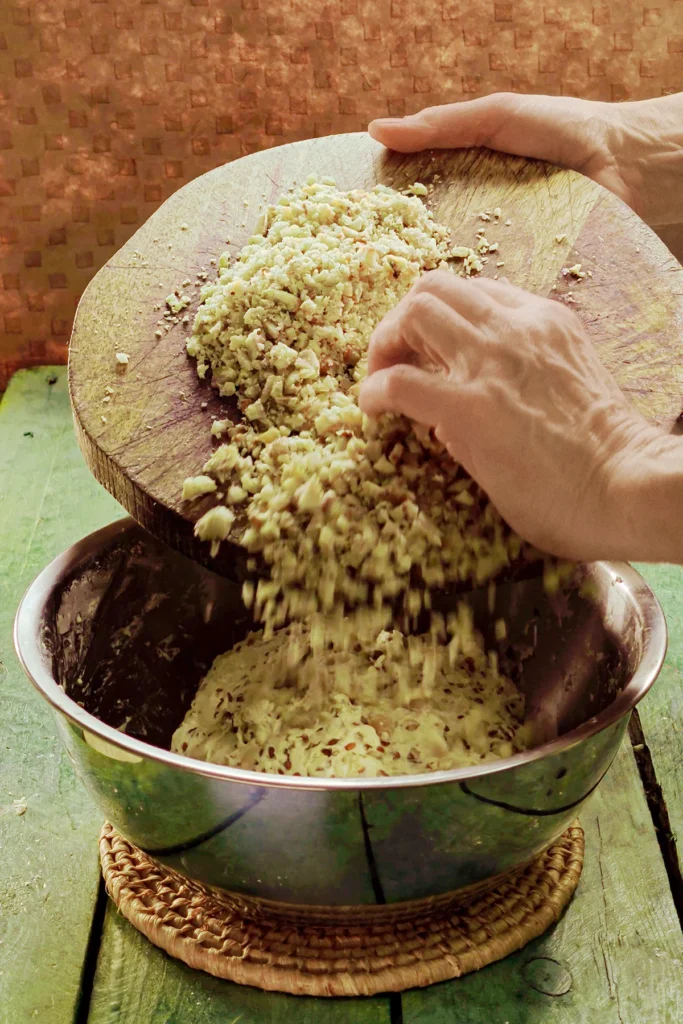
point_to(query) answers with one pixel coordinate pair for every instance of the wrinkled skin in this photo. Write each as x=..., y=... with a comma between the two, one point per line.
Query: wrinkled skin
x=520, y=398
x=633, y=149
x=511, y=382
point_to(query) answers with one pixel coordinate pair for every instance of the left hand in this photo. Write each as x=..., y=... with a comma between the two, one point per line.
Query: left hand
x=514, y=388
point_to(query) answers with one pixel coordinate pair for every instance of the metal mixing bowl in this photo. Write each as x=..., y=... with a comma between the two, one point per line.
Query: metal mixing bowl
x=118, y=630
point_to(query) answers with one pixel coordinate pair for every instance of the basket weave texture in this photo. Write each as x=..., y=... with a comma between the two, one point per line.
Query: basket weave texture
x=277, y=948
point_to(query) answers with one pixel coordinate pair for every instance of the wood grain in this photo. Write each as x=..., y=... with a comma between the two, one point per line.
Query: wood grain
x=148, y=987
x=661, y=713
x=618, y=949
x=154, y=432
x=50, y=871
x=620, y=941
x=615, y=956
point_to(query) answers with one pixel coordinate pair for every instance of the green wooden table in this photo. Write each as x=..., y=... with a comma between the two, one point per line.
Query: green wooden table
x=616, y=957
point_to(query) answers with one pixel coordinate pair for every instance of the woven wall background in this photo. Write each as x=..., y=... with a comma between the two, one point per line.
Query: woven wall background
x=108, y=106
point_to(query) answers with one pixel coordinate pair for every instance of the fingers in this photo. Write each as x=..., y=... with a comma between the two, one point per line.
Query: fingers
x=502, y=292
x=388, y=344
x=457, y=292
x=421, y=329
x=544, y=127
x=439, y=319
x=451, y=126
x=408, y=391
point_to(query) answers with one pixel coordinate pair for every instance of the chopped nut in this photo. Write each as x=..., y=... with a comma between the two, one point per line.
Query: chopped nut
x=346, y=515
x=574, y=271
x=281, y=703
x=197, y=486
x=215, y=526
x=177, y=302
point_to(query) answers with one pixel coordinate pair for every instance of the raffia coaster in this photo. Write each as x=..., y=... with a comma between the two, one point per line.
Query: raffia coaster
x=355, y=952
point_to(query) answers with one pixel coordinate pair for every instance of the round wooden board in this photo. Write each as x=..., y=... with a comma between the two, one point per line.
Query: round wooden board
x=153, y=432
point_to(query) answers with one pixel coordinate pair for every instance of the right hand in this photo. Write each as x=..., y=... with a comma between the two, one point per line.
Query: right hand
x=633, y=149
x=513, y=387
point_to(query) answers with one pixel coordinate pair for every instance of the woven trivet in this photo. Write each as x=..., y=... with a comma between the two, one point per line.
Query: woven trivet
x=247, y=941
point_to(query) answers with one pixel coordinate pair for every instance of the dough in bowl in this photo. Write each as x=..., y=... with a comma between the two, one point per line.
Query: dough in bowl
x=396, y=706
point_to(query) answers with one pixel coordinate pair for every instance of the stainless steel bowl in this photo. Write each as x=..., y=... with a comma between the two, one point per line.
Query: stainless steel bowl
x=118, y=630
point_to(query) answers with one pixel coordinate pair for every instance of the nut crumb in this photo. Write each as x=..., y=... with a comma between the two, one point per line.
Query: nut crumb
x=285, y=328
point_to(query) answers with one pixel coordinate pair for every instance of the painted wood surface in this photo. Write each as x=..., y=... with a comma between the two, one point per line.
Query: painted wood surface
x=616, y=957
x=153, y=433
x=661, y=713
x=136, y=983
x=49, y=871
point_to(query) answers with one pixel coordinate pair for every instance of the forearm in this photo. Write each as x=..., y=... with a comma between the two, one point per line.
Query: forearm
x=649, y=506
x=648, y=140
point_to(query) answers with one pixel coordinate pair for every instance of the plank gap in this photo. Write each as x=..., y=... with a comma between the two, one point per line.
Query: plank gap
x=92, y=953
x=395, y=1008
x=658, y=812
x=376, y=881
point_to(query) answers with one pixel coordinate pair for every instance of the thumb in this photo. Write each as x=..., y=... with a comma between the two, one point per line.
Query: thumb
x=544, y=127
x=451, y=126
x=407, y=391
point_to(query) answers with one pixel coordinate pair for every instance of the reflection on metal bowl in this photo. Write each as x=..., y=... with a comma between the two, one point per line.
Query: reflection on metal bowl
x=117, y=632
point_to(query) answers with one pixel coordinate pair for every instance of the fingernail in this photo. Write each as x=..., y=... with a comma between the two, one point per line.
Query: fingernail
x=385, y=122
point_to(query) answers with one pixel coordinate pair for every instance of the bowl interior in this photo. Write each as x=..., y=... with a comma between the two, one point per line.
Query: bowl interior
x=134, y=626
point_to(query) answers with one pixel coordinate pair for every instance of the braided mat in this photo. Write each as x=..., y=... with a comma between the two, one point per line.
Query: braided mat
x=250, y=942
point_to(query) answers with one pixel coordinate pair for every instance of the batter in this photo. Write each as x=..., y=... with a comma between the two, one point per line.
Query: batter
x=396, y=706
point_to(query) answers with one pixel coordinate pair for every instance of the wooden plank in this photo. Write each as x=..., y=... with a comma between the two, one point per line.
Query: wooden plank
x=661, y=713
x=136, y=983
x=49, y=872
x=154, y=432
x=616, y=956
x=619, y=940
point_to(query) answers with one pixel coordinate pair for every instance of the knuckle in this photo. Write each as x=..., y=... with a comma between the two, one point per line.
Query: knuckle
x=395, y=382
x=423, y=303
x=441, y=278
x=557, y=312
x=421, y=306
x=432, y=278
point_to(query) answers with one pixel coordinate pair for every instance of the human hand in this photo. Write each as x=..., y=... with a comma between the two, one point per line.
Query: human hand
x=513, y=387
x=633, y=149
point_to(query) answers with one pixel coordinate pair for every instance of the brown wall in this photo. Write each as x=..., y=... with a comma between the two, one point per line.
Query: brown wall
x=108, y=106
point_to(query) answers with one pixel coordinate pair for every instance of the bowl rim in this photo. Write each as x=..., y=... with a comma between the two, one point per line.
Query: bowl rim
x=28, y=646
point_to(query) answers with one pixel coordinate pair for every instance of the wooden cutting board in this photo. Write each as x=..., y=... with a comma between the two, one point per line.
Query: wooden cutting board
x=155, y=428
